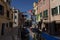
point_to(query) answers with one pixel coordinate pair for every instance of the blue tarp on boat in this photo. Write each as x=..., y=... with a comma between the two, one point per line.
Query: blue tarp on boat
x=48, y=37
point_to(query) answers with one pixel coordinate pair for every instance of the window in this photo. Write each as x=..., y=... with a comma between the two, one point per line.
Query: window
x=54, y=11
x=8, y=1
x=1, y=10
x=3, y=27
x=15, y=17
x=15, y=11
x=8, y=14
x=12, y=16
x=15, y=22
x=41, y=14
x=22, y=15
x=10, y=24
x=45, y=13
x=6, y=24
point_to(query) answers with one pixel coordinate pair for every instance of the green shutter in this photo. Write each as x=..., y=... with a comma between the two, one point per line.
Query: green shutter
x=55, y=11
x=41, y=14
x=38, y=17
x=52, y=12
x=45, y=13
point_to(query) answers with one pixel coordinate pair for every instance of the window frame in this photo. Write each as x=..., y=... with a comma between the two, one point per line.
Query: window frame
x=54, y=11
x=1, y=10
x=40, y=14
x=15, y=17
x=45, y=14
x=59, y=9
x=15, y=11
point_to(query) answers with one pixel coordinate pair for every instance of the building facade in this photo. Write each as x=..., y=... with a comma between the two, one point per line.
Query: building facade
x=43, y=10
x=49, y=15
x=9, y=19
x=55, y=16
x=15, y=17
x=18, y=18
x=36, y=14
x=5, y=19
x=22, y=19
x=35, y=8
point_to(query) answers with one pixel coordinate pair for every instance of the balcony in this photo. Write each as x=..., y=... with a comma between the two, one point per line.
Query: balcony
x=45, y=19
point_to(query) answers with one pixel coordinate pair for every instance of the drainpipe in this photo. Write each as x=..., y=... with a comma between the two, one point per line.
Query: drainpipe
x=58, y=8
x=49, y=18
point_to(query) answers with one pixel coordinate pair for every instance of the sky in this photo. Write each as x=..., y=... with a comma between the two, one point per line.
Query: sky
x=23, y=5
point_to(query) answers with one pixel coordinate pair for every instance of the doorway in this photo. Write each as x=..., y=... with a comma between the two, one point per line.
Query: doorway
x=3, y=28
